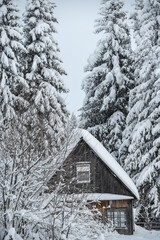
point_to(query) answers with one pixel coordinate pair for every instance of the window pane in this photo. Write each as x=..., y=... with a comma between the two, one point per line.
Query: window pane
x=117, y=223
x=115, y=214
x=83, y=168
x=122, y=214
x=110, y=215
x=118, y=217
x=123, y=224
x=83, y=172
x=83, y=176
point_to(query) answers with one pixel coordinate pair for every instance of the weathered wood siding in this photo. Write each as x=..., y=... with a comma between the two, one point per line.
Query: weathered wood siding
x=124, y=204
x=102, y=180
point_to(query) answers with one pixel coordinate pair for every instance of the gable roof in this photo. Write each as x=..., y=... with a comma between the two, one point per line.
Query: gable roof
x=106, y=157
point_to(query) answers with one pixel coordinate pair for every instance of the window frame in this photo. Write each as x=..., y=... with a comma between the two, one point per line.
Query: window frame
x=118, y=214
x=81, y=165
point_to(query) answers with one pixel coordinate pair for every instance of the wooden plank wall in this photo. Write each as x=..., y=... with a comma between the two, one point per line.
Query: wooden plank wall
x=102, y=206
x=102, y=179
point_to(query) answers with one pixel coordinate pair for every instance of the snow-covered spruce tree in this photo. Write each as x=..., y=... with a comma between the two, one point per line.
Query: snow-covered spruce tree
x=109, y=78
x=44, y=73
x=141, y=136
x=11, y=51
x=136, y=25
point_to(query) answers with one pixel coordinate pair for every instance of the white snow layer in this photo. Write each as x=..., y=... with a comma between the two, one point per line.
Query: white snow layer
x=107, y=158
x=102, y=196
x=94, y=197
x=139, y=234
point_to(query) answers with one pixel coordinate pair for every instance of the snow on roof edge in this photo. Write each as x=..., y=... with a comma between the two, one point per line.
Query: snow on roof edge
x=104, y=196
x=107, y=158
x=86, y=196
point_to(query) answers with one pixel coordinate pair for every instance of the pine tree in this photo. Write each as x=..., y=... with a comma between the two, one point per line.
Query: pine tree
x=141, y=136
x=109, y=78
x=12, y=82
x=44, y=73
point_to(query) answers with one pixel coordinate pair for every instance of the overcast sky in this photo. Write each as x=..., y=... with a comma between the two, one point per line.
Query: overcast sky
x=77, y=41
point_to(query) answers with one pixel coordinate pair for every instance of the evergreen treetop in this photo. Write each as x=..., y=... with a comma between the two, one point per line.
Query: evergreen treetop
x=44, y=71
x=109, y=78
x=12, y=82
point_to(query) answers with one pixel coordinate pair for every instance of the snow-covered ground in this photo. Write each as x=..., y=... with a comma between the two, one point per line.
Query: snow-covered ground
x=140, y=234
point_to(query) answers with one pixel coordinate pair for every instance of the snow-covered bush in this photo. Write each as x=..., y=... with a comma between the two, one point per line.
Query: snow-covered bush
x=87, y=227
x=72, y=217
x=24, y=174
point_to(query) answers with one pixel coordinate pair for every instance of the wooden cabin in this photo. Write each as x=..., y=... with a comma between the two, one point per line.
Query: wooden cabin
x=90, y=169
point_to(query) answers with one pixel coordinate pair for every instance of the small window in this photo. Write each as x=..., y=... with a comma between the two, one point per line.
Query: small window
x=83, y=172
x=118, y=217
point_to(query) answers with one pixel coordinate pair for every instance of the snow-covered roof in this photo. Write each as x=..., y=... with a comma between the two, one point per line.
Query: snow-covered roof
x=94, y=197
x=107, y=158
x=103, y=196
